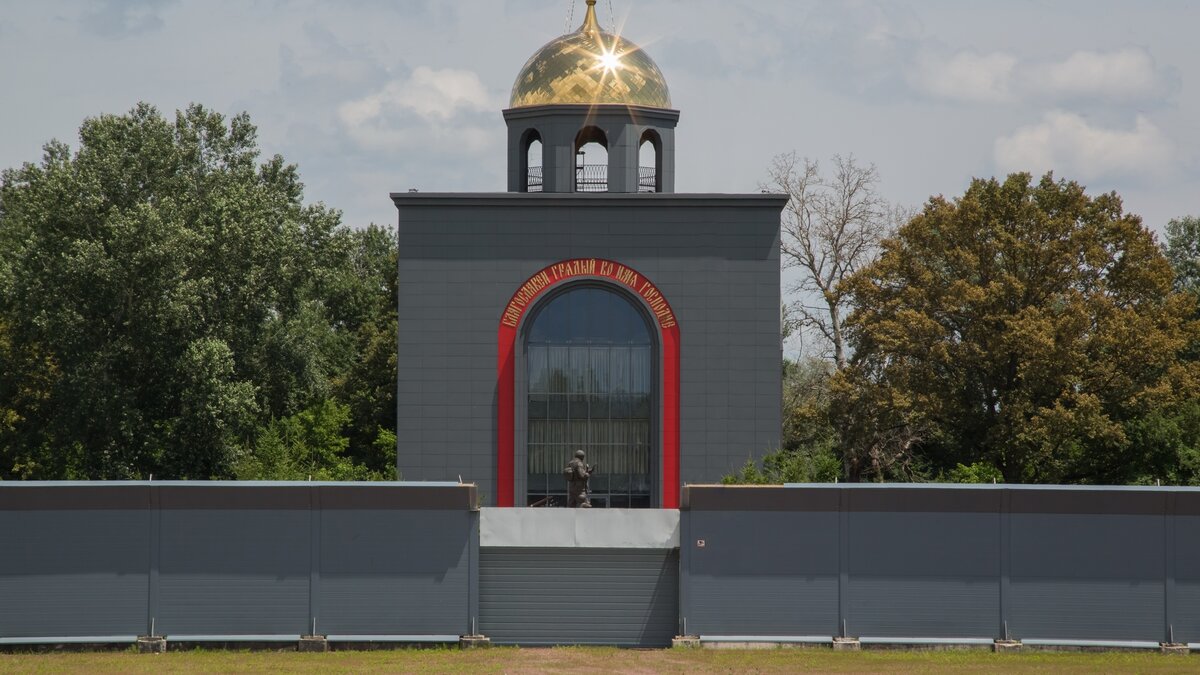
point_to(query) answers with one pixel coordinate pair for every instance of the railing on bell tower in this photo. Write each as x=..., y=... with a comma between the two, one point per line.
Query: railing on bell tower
x=594, y=178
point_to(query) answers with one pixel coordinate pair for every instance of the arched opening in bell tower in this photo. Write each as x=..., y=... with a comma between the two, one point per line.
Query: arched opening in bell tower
x=531, y=160
x=591, y=160
x=650, y=162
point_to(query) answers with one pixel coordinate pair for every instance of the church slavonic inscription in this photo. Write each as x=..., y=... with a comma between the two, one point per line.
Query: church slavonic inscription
x=588, y=267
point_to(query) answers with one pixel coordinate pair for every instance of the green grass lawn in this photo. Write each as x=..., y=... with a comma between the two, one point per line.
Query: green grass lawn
x=598, y=660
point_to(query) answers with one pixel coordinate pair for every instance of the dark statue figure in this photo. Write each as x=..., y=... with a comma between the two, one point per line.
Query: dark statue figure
x=578, y=472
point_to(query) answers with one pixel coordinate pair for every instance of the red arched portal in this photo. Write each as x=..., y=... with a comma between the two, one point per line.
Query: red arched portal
x=510, y=321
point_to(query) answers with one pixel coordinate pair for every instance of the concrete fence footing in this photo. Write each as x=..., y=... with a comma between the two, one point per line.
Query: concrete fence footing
x=312, y=643
x=846, y=644
x=685, y=641
x=1005, y=646
x=474, y=642
x=151, y=644
x=1174, y=648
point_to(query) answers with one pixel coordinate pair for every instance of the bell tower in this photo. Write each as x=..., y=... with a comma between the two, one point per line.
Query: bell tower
x=591, y=112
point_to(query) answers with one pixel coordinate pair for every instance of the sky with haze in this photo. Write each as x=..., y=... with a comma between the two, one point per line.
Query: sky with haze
x=374, y=96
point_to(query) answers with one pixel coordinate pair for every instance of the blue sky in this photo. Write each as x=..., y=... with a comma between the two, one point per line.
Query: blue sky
x=373, y=96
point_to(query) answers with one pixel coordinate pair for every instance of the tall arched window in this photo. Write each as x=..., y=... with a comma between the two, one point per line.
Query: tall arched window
x=589, y=355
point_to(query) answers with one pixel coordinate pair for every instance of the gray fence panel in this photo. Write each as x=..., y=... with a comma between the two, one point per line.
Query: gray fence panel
x=923, y=574
x=394, y=572
x=762, y=573
x=1087, y=576
x=226, y=559
x=539, y=596
x=67, y=573
x=1186, y=622
x=234, y=572
x=1060, y=564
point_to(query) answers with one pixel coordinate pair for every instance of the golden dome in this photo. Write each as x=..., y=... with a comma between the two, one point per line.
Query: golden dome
x=590, y=66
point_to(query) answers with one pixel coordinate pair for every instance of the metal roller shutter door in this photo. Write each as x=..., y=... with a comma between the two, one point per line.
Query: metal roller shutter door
x=545, y=596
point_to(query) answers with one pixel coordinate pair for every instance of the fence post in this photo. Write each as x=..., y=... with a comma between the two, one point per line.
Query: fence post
x=1005, y=561
x=843, y=561
x=155, y=508
x=685, y=562
x=1169, y=507
x=314, y=558
x=474, y=516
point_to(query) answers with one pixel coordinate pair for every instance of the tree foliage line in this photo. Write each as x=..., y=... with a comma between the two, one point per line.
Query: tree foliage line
x=1025, y=331
x=170, y=306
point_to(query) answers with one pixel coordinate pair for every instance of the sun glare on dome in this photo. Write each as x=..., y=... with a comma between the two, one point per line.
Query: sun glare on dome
x=609, y=61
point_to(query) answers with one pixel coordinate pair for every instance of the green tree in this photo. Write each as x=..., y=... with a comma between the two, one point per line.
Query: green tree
x=1182, y=249
x=309, y=445
x=164, y=296
x=368, y=386
x=1025, y=325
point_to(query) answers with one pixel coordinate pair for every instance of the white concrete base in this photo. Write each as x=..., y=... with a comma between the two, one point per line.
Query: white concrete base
x=578, y=528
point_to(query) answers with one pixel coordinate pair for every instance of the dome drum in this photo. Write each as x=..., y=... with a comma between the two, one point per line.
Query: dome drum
x=623, y=129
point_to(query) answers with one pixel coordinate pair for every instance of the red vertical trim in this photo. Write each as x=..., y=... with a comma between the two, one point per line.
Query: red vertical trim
x=505, y=415
x=670, y=425
x=506, y=346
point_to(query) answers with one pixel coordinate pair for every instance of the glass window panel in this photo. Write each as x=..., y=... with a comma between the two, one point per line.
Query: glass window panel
x=578, y=359
x=538, y=375
x=556, y=406
x=598, y=406
x=600, y=359
x=640, y=407
x=558, y=364
x=639, y=370
x=539, y=432
x=539, y=406
x=599, y=482
x=578, y=406
x=621, y=406
x=579, y=436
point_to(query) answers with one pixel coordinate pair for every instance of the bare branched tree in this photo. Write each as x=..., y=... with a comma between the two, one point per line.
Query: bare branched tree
x=832, y=226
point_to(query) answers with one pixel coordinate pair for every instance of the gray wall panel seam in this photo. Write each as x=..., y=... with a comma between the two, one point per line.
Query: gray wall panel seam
x=473, y=520
x=685, y=561
x=314, y=557
x=155, y=538
x=843, y=561
x=1169, y=567
x=1005, y=561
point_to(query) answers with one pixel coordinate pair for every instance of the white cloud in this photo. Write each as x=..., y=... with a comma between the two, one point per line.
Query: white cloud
x=431, y=94
x=430, y=108
x=1068, y=144
x=1128, y=74
x=964, y=76
x=1124, y=74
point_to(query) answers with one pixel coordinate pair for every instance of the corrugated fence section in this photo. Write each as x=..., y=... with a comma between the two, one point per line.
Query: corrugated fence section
x=917, y=563
x=108, y=562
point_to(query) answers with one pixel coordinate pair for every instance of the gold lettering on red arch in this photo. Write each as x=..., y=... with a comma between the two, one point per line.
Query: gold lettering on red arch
x=588, y=267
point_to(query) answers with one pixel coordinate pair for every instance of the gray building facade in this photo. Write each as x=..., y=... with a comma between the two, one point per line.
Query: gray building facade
x=589, y=307
x=715, y=258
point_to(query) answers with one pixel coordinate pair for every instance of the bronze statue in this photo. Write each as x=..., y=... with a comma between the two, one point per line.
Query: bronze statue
x=578, y=472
